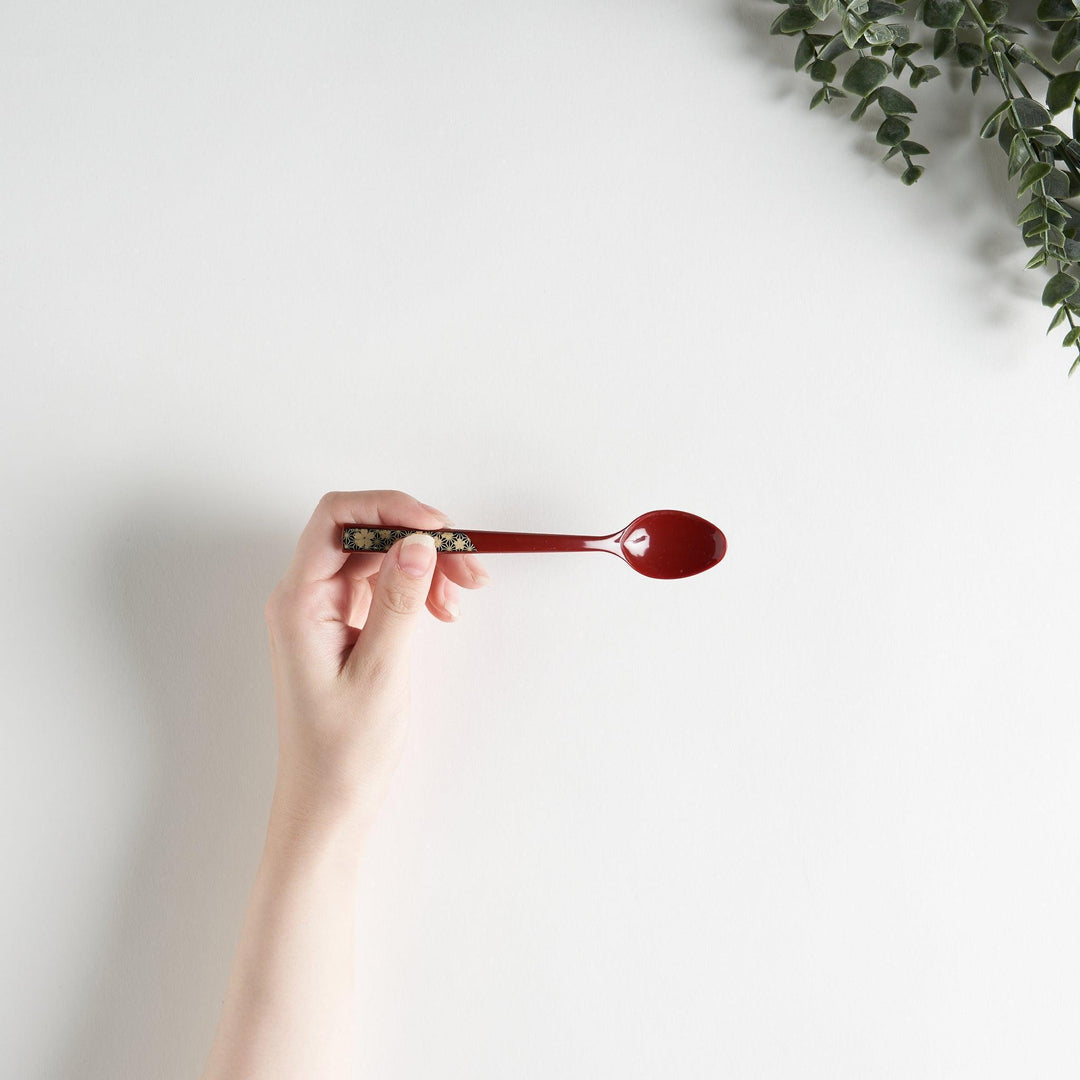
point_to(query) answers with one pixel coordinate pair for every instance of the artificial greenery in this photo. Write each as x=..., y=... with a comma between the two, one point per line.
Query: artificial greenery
x=873, y=41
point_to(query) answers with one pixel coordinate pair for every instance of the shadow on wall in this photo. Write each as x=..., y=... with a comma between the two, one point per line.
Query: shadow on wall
x=965, y=200
x=187, y=597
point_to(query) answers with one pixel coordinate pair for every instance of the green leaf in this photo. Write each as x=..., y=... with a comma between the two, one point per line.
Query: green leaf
x=821, y=8
x=1019, y=156
x=968, y=54
x=1059, y=287
x=851, y=28
x=823, y=71
x=1006, y=134
x=865, y=75
x=862, y=105
x=893, y=151
x=1019, y=55
x=793, y=20
x=1036, y=260
x=911, y=148
x=893, y=131
x=942, y=14
x=976, y=78
x=1056, y=183
x=876, y=34
x=804, y=53
x=911, y=174
x=1066, y=40
x=993, y=11
x=1033, y=174
x=1050, y=11
x=1057, y=320
x=837, y=46
x=990, y=128
x=1032, y=233
x=944, y=41
x=1031, y=212
x=892, y=102
x=880, y=9
x=1072, y=337
x=1075, y=365
x=1030, y=113
x=1062, y=90
x=818, y=98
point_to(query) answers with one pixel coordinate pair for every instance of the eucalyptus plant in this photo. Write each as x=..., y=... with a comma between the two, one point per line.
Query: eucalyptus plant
x=865, y=50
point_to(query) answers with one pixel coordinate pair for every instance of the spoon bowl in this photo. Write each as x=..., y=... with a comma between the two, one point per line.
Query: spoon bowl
x=671, y=544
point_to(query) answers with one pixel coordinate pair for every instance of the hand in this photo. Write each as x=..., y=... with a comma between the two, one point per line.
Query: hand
x=341, y=627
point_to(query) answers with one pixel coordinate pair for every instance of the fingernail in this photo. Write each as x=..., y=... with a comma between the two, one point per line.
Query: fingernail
x=416, y=556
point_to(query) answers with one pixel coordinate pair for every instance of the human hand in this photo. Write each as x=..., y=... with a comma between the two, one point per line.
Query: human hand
x=341, y=626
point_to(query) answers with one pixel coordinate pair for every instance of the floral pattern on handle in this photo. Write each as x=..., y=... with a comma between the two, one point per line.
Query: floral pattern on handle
x=383, y=539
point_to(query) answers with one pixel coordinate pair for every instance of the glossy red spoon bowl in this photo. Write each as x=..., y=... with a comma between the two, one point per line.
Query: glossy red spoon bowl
x=659, y=544
x=671, y=544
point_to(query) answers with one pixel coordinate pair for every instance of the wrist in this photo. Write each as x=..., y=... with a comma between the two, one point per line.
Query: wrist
x=311, y=815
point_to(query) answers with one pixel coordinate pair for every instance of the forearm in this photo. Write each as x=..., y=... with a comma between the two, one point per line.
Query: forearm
x=288, y=1010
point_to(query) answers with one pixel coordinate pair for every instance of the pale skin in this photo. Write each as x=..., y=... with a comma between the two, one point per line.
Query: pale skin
x=340, y=628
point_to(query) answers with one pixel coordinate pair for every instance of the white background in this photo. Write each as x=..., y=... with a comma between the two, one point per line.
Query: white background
x=547, y=266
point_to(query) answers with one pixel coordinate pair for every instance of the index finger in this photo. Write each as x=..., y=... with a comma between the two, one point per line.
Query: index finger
x=318, y=554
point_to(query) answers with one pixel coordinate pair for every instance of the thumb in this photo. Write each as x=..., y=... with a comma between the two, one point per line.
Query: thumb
x=399, y=595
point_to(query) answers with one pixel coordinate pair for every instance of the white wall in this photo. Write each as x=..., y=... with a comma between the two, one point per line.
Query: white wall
x=546, y=266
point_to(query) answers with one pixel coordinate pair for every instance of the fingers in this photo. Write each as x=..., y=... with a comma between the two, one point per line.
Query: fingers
x=318, y=554
x=444, y=597
x=397, y=599
x=443, y=601
x=466, y=570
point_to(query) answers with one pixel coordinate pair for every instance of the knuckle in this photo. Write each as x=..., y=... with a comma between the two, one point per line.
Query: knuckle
x=399, y=600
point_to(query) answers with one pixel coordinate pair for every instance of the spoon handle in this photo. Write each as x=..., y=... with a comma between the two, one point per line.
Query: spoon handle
x=461, y=541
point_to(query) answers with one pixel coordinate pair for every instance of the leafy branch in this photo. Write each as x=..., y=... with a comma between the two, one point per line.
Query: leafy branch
x=977, y=38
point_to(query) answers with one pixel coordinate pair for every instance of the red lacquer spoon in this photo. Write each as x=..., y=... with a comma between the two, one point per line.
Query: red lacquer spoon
x=659, y=544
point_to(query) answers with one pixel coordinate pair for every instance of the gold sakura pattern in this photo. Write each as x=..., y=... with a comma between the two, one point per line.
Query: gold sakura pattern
x=383, y=539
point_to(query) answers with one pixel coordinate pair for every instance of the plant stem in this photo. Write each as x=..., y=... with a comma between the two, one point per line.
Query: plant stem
x=1000, y=61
